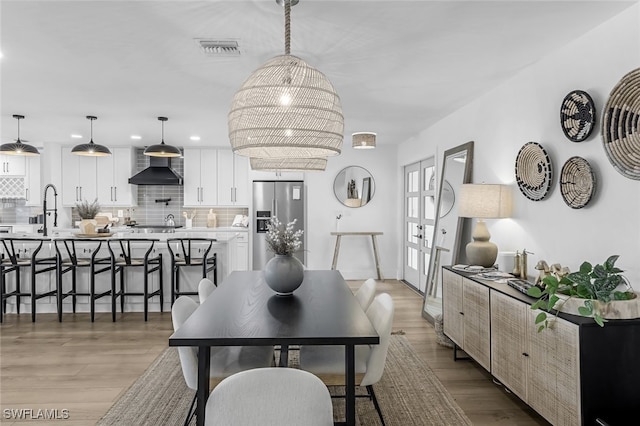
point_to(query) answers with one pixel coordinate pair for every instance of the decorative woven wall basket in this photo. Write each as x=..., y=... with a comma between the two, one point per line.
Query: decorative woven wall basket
x=621, y=126
x=533, y=171
x=577, y=182
x=577, y=115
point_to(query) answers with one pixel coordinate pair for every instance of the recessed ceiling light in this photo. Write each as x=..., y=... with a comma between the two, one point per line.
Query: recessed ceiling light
x=195, y=138
x=136, y=137
x=76, y=136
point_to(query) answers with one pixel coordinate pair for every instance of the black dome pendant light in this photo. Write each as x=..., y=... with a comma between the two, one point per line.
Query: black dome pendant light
x=17, y=147
x=161, y=149
x=91, y=149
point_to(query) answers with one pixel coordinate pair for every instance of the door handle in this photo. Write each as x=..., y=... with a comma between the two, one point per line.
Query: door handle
x=115, y=193
x=419, y=236
x=26, y=194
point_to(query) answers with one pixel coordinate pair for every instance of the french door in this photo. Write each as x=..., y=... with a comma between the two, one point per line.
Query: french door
x=419, y=218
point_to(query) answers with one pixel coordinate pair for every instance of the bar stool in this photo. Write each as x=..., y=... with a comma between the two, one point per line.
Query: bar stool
x=19, y=253
x=191, y=252
x=122, y=258
x=68, y=260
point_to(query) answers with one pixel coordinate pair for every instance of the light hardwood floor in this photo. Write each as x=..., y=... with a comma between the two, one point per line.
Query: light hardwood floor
x=83, y=367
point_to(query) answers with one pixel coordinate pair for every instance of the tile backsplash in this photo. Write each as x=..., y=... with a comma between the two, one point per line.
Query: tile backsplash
x=156, y=202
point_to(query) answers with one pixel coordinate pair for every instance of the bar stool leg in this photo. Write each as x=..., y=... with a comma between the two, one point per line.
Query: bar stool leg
x=3, y=300
x=173, y=281
x=122, y=285
x=18, y=290
x=161, y=286
x=33, y=292
x=59, y=288
x=146, y=291
x=92, y=291
x=114, y=295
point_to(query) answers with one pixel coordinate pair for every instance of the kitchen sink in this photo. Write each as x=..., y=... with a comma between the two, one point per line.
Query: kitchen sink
x=152, y=229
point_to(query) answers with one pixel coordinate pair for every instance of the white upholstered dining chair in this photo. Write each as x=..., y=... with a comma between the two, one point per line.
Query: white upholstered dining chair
x=365, y=294
x=270, y=396
x=327, y=362
x=205, y=288
x=225, y=361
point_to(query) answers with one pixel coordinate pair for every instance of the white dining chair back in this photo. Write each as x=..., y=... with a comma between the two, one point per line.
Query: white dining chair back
x=224, y=361
x=365, y=294
x=205, y=288
x=270, y=396
x=380, y=313
x=182, y=309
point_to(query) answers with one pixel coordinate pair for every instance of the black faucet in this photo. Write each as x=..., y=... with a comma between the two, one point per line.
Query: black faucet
x=46, y=211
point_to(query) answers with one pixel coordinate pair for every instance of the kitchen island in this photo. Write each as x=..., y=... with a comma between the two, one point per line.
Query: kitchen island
x=225, y=247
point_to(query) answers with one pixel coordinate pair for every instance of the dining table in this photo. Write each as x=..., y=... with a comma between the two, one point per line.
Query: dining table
x=245, y=311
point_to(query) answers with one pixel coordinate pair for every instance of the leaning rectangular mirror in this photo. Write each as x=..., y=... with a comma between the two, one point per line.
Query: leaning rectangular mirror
x=449, y=231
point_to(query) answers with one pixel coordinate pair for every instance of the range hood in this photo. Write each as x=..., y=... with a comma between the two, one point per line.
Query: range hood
x=159, y=172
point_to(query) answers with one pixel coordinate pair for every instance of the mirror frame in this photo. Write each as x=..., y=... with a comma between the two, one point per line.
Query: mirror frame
x=459, y=236
x=368, y=180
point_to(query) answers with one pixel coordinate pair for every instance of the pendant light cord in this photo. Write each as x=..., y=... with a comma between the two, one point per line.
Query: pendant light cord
x=287, y=27
x=18, y=118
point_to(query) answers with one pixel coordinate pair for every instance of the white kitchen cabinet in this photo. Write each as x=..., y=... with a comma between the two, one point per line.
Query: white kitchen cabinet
x=78, y=178
x=262, y=175
x=233, y=179
x=32, y=185
x=200, y=177
x=242, y=251
x=12, y=165
x=112, y=178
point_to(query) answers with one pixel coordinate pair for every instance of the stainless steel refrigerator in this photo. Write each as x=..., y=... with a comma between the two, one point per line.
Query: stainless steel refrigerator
x=282, y=199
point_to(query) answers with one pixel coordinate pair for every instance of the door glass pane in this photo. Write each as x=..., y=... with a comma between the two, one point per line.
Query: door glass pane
x=412, y=181
x=427, y=176
x=412, y=207
x=412, y=257
x=425, y=264
x=429, y=208
x=412, y=230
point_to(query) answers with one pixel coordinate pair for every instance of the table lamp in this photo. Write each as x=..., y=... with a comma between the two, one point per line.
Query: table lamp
x=483, y=201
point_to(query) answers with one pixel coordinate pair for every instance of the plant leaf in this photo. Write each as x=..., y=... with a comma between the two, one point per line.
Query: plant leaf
x=599, y=320
x=534, y=291
x=585, y=268
x=542, y=316
x=584, y=311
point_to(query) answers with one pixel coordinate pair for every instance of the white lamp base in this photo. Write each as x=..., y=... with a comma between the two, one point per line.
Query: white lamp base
x=481, y=251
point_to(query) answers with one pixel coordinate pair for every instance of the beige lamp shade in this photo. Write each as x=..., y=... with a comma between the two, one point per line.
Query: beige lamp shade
x=363, y=140
x=289, y=164
x=483, y=201
x=286, y=109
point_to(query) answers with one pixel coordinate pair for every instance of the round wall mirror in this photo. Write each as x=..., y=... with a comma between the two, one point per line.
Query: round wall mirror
x=447, y=197
x=354, y=186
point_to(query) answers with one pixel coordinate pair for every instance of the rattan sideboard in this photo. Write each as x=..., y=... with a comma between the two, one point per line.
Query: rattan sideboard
x=572, y=374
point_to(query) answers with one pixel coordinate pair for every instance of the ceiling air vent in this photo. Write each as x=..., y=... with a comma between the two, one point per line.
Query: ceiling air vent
x=219, y=47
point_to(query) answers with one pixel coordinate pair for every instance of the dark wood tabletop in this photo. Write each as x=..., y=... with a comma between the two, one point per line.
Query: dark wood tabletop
x=245, y=311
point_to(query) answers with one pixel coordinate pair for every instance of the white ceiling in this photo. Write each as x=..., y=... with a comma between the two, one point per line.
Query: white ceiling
x=398, y=66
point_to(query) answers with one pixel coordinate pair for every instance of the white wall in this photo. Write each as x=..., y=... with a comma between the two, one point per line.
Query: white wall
x=526, y=108
x=356, y=259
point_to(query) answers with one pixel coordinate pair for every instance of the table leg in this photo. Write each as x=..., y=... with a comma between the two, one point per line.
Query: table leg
x=375, y=254
x=284, y=356
x=350, y=380
x=335, y=252
x=204, y=366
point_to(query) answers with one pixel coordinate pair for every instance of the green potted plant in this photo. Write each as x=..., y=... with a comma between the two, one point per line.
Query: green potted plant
x=87, y=212
x=593, y=291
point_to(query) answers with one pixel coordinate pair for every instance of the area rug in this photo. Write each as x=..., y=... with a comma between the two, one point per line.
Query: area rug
x=409, y=393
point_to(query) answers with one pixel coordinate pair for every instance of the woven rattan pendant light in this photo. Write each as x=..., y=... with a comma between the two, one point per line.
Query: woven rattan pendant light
x=286, y=109
x=289, y=164
x=91, y=149
x=162, y=149
x=18, y=147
